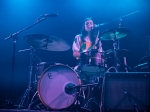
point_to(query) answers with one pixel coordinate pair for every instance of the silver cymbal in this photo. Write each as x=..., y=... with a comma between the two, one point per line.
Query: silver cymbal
x=114, y=34
x=46, y=42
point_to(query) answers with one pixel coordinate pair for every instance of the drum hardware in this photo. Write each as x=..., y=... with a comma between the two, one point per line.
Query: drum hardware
x=116, y=60
x=93, y=103
x=119, y=52
x=115, y=35
x=86, y=106
x=32, y=100
x=15, y=37
x=28, y=91
x=116, y=53
x=46, y=42
x=36, y=104
x=90, y=103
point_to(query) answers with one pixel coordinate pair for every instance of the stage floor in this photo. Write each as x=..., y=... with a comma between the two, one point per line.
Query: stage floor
x=26, y=110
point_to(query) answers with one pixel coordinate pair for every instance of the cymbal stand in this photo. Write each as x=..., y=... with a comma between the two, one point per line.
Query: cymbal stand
x=28, y=90
x=116, y=64
x=116, y=45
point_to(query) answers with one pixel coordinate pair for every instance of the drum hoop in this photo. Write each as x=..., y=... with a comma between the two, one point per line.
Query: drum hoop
x=97, y=58
x=38, y=86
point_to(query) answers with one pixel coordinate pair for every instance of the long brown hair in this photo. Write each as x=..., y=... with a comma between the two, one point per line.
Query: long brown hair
x=84, y=32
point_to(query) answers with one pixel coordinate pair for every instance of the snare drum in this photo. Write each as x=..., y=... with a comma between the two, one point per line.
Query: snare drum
x=55, y=86
x=92, y=62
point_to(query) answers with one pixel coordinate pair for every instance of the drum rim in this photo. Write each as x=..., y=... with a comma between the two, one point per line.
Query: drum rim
x=38, y=85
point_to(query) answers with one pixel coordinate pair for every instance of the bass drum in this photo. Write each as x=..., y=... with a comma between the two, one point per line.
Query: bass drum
x=56, y=86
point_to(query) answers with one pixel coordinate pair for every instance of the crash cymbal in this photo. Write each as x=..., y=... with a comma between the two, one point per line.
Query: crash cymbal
x=114, y=34
x=46, y=42
x=123, y=52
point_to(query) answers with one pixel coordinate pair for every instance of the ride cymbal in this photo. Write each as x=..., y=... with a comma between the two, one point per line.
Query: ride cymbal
x=46, y=42
x=114, y=34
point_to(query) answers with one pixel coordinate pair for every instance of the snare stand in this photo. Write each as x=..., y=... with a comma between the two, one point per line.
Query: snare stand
x=28, y=90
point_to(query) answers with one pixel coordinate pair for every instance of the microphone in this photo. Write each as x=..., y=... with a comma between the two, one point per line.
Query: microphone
x=98, y=25
x=70, y=88
x=49, y=15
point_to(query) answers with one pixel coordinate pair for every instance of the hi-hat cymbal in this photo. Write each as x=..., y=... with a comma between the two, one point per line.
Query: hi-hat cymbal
x=114, y=34
x=123, y=52
x=46, y=42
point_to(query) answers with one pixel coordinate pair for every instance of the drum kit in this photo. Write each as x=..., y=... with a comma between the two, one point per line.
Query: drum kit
x=62, y=87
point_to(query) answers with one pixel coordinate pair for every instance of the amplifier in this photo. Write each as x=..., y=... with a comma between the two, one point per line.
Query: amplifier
x=126, y=92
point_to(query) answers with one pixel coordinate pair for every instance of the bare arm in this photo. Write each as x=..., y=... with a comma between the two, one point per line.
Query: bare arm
x=76, y=54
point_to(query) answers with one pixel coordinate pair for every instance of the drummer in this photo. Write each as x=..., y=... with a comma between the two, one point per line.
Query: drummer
x=88, y=39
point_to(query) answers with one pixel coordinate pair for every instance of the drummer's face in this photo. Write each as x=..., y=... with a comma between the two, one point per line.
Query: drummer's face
x=88, y=25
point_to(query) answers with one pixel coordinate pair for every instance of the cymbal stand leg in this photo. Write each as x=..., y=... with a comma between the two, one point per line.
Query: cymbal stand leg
x=32, y=100
x=28, y=90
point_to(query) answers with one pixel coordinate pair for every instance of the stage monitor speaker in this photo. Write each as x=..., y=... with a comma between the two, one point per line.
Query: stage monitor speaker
x=125, y=92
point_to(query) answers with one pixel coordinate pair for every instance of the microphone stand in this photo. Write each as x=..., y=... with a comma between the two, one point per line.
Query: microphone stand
x=15, y=37
x=120, y=20
x=117, y=18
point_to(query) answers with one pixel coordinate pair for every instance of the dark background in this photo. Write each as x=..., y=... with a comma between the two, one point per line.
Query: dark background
x=18, y=14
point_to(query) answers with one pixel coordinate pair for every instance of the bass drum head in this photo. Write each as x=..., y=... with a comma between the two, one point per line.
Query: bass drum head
x=53, y=87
